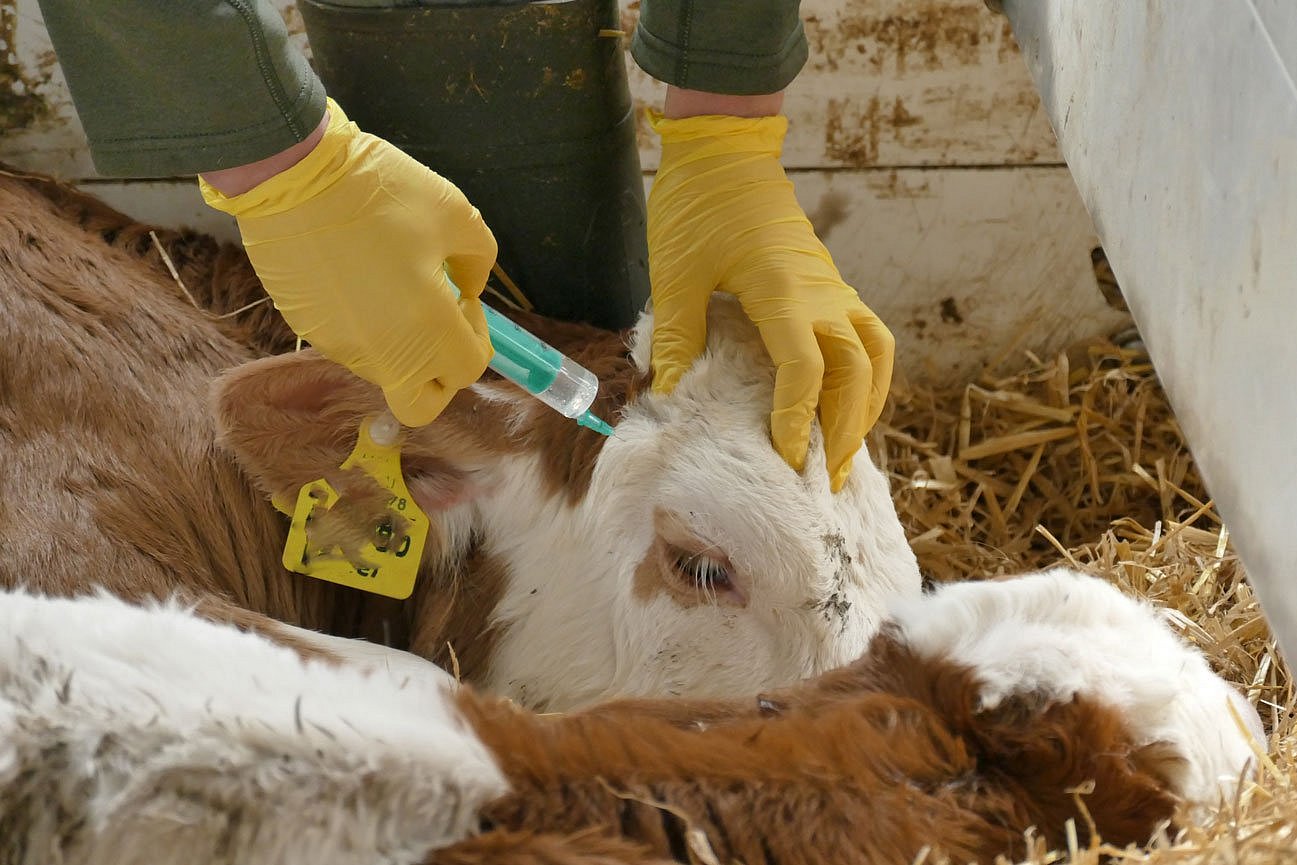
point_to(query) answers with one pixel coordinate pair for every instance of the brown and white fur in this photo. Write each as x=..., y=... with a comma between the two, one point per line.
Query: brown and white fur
x=681, y=556
x=981, y=711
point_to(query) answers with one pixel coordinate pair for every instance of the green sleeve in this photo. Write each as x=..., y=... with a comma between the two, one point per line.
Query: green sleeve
x=172, y=87
x=737, y=47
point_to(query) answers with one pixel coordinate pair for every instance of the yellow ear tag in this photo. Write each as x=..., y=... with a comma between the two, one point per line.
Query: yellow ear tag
x=388, y=572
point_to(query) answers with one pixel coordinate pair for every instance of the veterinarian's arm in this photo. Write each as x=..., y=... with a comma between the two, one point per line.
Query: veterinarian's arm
x=723, y=216
x=348, y=234
x=350, y=242
x=175, y=87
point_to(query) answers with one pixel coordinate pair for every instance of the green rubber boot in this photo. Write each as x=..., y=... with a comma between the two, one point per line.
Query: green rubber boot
x=526, y=108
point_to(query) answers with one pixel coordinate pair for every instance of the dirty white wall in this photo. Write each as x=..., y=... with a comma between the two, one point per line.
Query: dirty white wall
x=918, y=148
x=1179, y=118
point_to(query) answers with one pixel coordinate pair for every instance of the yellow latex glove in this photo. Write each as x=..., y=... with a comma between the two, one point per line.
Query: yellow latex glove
x=351, y=242
x=722, y=217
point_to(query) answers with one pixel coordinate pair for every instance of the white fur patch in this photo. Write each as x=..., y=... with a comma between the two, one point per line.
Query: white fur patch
x=364, y=655
x=1060, y=634
x=134, y=735
x=818, y=570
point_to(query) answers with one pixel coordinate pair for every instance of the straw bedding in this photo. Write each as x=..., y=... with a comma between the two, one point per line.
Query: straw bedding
x=1078, y=459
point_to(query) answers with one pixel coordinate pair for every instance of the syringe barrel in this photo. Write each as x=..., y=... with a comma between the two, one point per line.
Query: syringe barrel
x=539, y=368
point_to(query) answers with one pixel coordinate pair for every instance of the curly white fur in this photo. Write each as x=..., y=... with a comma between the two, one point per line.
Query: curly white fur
x=133, y=735
x=1059, y=634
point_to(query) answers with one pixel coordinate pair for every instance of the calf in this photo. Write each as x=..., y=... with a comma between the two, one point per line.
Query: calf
x=681, y=556
x=978, y=713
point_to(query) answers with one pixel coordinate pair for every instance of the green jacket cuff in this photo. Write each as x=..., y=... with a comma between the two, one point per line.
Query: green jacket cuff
x=736, y=47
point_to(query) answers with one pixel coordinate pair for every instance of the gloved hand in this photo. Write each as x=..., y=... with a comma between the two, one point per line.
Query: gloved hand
x=350, y=243
x=722, y=216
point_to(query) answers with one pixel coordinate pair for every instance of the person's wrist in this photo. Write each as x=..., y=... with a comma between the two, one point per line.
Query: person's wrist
x=238, y=180
x=681, y=102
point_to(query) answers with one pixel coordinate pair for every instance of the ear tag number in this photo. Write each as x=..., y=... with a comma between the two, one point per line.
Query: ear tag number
x=388, y=572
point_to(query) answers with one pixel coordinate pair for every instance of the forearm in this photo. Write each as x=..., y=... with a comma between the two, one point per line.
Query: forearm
x=169, y=87
x=238, y=180
x=693, y=103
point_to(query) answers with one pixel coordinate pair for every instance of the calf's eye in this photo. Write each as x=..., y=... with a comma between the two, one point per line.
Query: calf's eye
x=693, y=570
x=705, y=573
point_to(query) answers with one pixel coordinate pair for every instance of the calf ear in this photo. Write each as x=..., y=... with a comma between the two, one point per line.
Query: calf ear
x=293, y=418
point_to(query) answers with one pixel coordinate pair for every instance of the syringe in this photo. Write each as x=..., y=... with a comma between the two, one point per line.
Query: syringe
x=543, y=371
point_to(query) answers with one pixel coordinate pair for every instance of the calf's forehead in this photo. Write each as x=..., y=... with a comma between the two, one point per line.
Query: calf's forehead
x=719, y=474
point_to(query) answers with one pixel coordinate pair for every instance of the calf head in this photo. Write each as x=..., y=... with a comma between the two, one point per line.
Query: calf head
x=680, y=556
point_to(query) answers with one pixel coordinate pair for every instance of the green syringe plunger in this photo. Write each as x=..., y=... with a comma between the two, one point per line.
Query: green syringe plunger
x=544, y=372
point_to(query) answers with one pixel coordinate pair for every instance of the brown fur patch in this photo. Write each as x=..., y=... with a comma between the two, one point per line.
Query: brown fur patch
x=568, y=452
x=872, y=763
x=289, y=416
x=111, y=475
x=452, y=614
x=308, y=402
x=528, y=848
x=217, y=275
